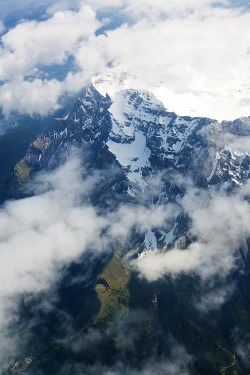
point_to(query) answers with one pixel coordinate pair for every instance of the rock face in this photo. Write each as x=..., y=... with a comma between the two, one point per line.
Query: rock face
x=150, y=148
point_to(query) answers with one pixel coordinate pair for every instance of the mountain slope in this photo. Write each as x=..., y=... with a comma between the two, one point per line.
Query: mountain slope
x=143, y=155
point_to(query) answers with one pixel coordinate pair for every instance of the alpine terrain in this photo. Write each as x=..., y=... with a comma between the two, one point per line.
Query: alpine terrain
x=165, y=289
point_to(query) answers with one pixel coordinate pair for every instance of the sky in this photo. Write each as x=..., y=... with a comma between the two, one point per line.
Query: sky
x=193, y=54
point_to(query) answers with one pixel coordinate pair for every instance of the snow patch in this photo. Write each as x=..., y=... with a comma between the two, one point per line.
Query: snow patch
x=133, y=157
x=150, y=241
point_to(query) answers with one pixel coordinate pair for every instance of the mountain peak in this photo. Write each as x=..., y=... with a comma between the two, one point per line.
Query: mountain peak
x=115, y=80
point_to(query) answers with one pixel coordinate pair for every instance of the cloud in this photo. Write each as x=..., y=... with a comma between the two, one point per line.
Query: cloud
x=97, y=5
x=241, y=341
x=48, y=42
x=39, y=235
x=192, y=69
x=142, y=219
x=236, y=143
x=200, y=59
x=39, y=231
x=33, y=44
x=160, y=9
x=47, y=231
x=220, y=222
x=215, y=298
x=127, y=332
x=29, y=97
x=196, y=67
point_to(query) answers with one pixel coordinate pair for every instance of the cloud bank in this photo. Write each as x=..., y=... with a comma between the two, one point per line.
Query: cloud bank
x=193, y=54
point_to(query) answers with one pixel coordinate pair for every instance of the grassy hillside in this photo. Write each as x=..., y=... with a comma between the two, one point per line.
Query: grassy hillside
x=112, y=290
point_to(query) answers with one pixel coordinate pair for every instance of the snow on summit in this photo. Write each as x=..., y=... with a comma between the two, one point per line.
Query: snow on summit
x=215, y=103
x=115, y=80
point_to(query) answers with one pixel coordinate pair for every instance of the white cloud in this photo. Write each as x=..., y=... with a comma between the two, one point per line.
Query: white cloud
x=40, y=231
x=236, y=143
x=199, y=60
x=130, y=217
x=214, y=299
x=216, y=214
x=62, y=5
x=32, y=44
x=202, y=58
x=126, y=330
x=95, y=4
x=202, y=259
x=30, y=97
x=197, y=53
x=41, y=234
x=242, y=344
x=221, y=224
x=48, y=42
x=160, y=9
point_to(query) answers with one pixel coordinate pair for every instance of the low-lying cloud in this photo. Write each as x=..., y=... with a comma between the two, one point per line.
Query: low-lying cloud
x=37, y=232
x=220, y=222
x=41, y=234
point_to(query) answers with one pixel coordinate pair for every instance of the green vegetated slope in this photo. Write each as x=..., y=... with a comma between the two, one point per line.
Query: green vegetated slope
x=149, y=317
x=22, y=170
x=13, y=146
x=112, y=290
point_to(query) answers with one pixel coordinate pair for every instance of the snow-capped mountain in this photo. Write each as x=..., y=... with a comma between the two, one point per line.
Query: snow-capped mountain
x=147, y=163
x=150, y=147
x=144, y=136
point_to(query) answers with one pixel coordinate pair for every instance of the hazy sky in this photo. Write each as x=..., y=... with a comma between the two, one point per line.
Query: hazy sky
x=197, y=52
